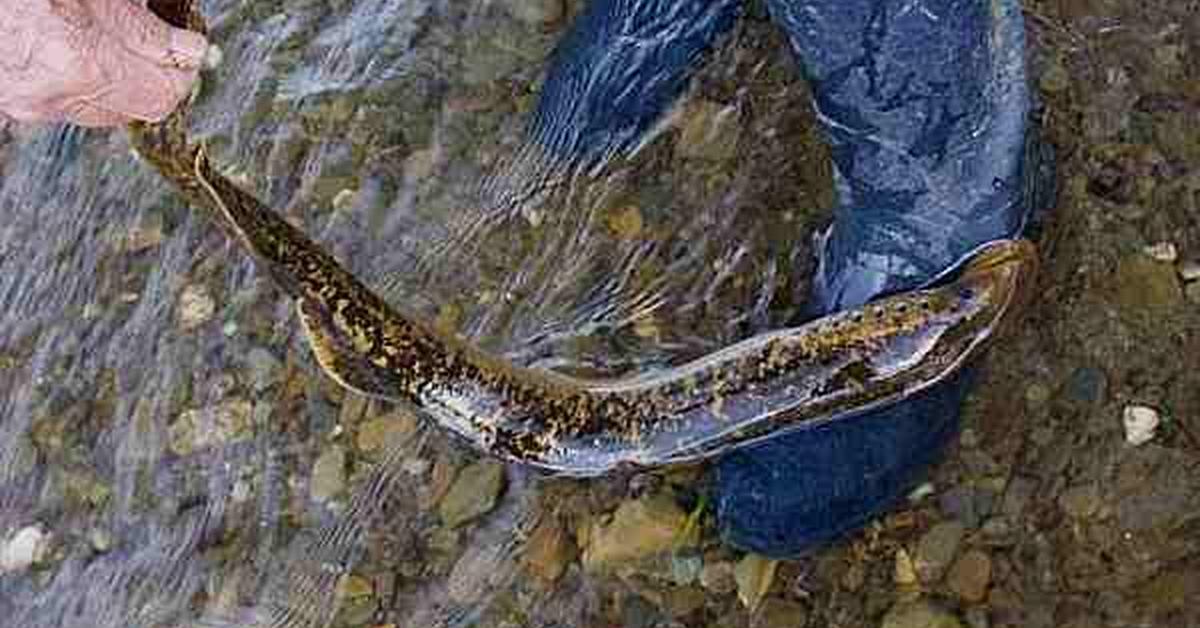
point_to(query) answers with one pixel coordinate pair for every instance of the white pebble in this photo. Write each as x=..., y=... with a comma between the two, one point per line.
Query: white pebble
x=26, y=547
x=1163, y=252
x=213, y=57
x=415, y=466
x=1190, y=271
x=1140, y=424
x=196, y=306
x=923, y=490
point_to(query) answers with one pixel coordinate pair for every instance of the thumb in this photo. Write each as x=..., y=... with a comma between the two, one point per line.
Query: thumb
x=145, y=35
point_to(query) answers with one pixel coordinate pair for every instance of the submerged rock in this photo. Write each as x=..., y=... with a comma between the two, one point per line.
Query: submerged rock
x=329, y=475
x=200, y=428
x=754, y=575
x=196, y=306
x=937, y=548
x=548, y=551
x=781, y=613
x=971, y=575
x=639, y=529
x=473, y=493
x=920, y=614
x=24, y=549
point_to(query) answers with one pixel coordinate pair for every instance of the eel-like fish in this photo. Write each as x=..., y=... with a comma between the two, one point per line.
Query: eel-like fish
x=793, y=378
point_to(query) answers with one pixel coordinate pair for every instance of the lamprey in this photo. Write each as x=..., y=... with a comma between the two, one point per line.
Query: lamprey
x=787, y=379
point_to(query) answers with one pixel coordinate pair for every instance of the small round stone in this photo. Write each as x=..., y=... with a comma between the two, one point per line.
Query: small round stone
x=1141, y=422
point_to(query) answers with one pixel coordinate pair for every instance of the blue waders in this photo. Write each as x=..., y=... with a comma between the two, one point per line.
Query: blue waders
x=926, y=107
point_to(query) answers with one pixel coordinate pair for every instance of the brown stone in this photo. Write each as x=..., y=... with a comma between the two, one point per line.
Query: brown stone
x=971, y=575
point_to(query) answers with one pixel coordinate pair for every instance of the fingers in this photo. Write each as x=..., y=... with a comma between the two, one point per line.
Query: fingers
x=95, y=62
x=149, y=92
x=86, y=114
x=147, y=36
x=150, y=66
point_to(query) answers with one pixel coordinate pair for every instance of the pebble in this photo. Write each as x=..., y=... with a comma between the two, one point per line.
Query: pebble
x=1037, y=393
x=1192, y=292
x=962, y=503
x=24, y=549
x=904, y=573
x=626, y=223
x=196, y=306
x=1141, y=422
x=1055, y=78
x=328, y=475
x=344, y=200
x=640, y=529
x=418, y=166
x=854, y=577
x=970, y=576
x=213, y=57
x=473, y=494
x=754, y=574
x=937, y=548
x=264, y=368
x=548, y=551
x=416, y=467
x=681, y=601
x=685, y=568
x=1080, y=502
x=1017, y=496
x=780, y=613
x=717, y=577
x=1162, y=252
x=392, y=429
x=100, y=539
x=1087, y=384
x=224, y=423
x=1190, y=271
x=354, y=587
x=921, y=491
x=919, y=614
x=358, y=600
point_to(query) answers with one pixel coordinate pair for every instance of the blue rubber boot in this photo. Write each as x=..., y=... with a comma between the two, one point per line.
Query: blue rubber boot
x=926, y=106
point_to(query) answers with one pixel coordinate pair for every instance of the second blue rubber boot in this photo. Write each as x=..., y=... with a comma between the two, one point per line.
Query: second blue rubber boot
x=926, y=107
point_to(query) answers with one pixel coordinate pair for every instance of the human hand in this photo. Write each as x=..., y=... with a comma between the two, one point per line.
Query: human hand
x=92, y=62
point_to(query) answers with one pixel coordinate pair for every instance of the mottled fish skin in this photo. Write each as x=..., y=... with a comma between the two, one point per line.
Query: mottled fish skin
x=793, y=378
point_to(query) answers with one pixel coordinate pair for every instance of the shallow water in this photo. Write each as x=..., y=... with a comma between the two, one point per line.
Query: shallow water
x=161, y=421
x=163, y=425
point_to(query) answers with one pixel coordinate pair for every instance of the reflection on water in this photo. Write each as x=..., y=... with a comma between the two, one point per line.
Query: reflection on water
x=179, y=456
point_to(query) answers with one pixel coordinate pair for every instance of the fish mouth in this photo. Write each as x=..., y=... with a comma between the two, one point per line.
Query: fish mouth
x=1003, y=255
x=1009, y=269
